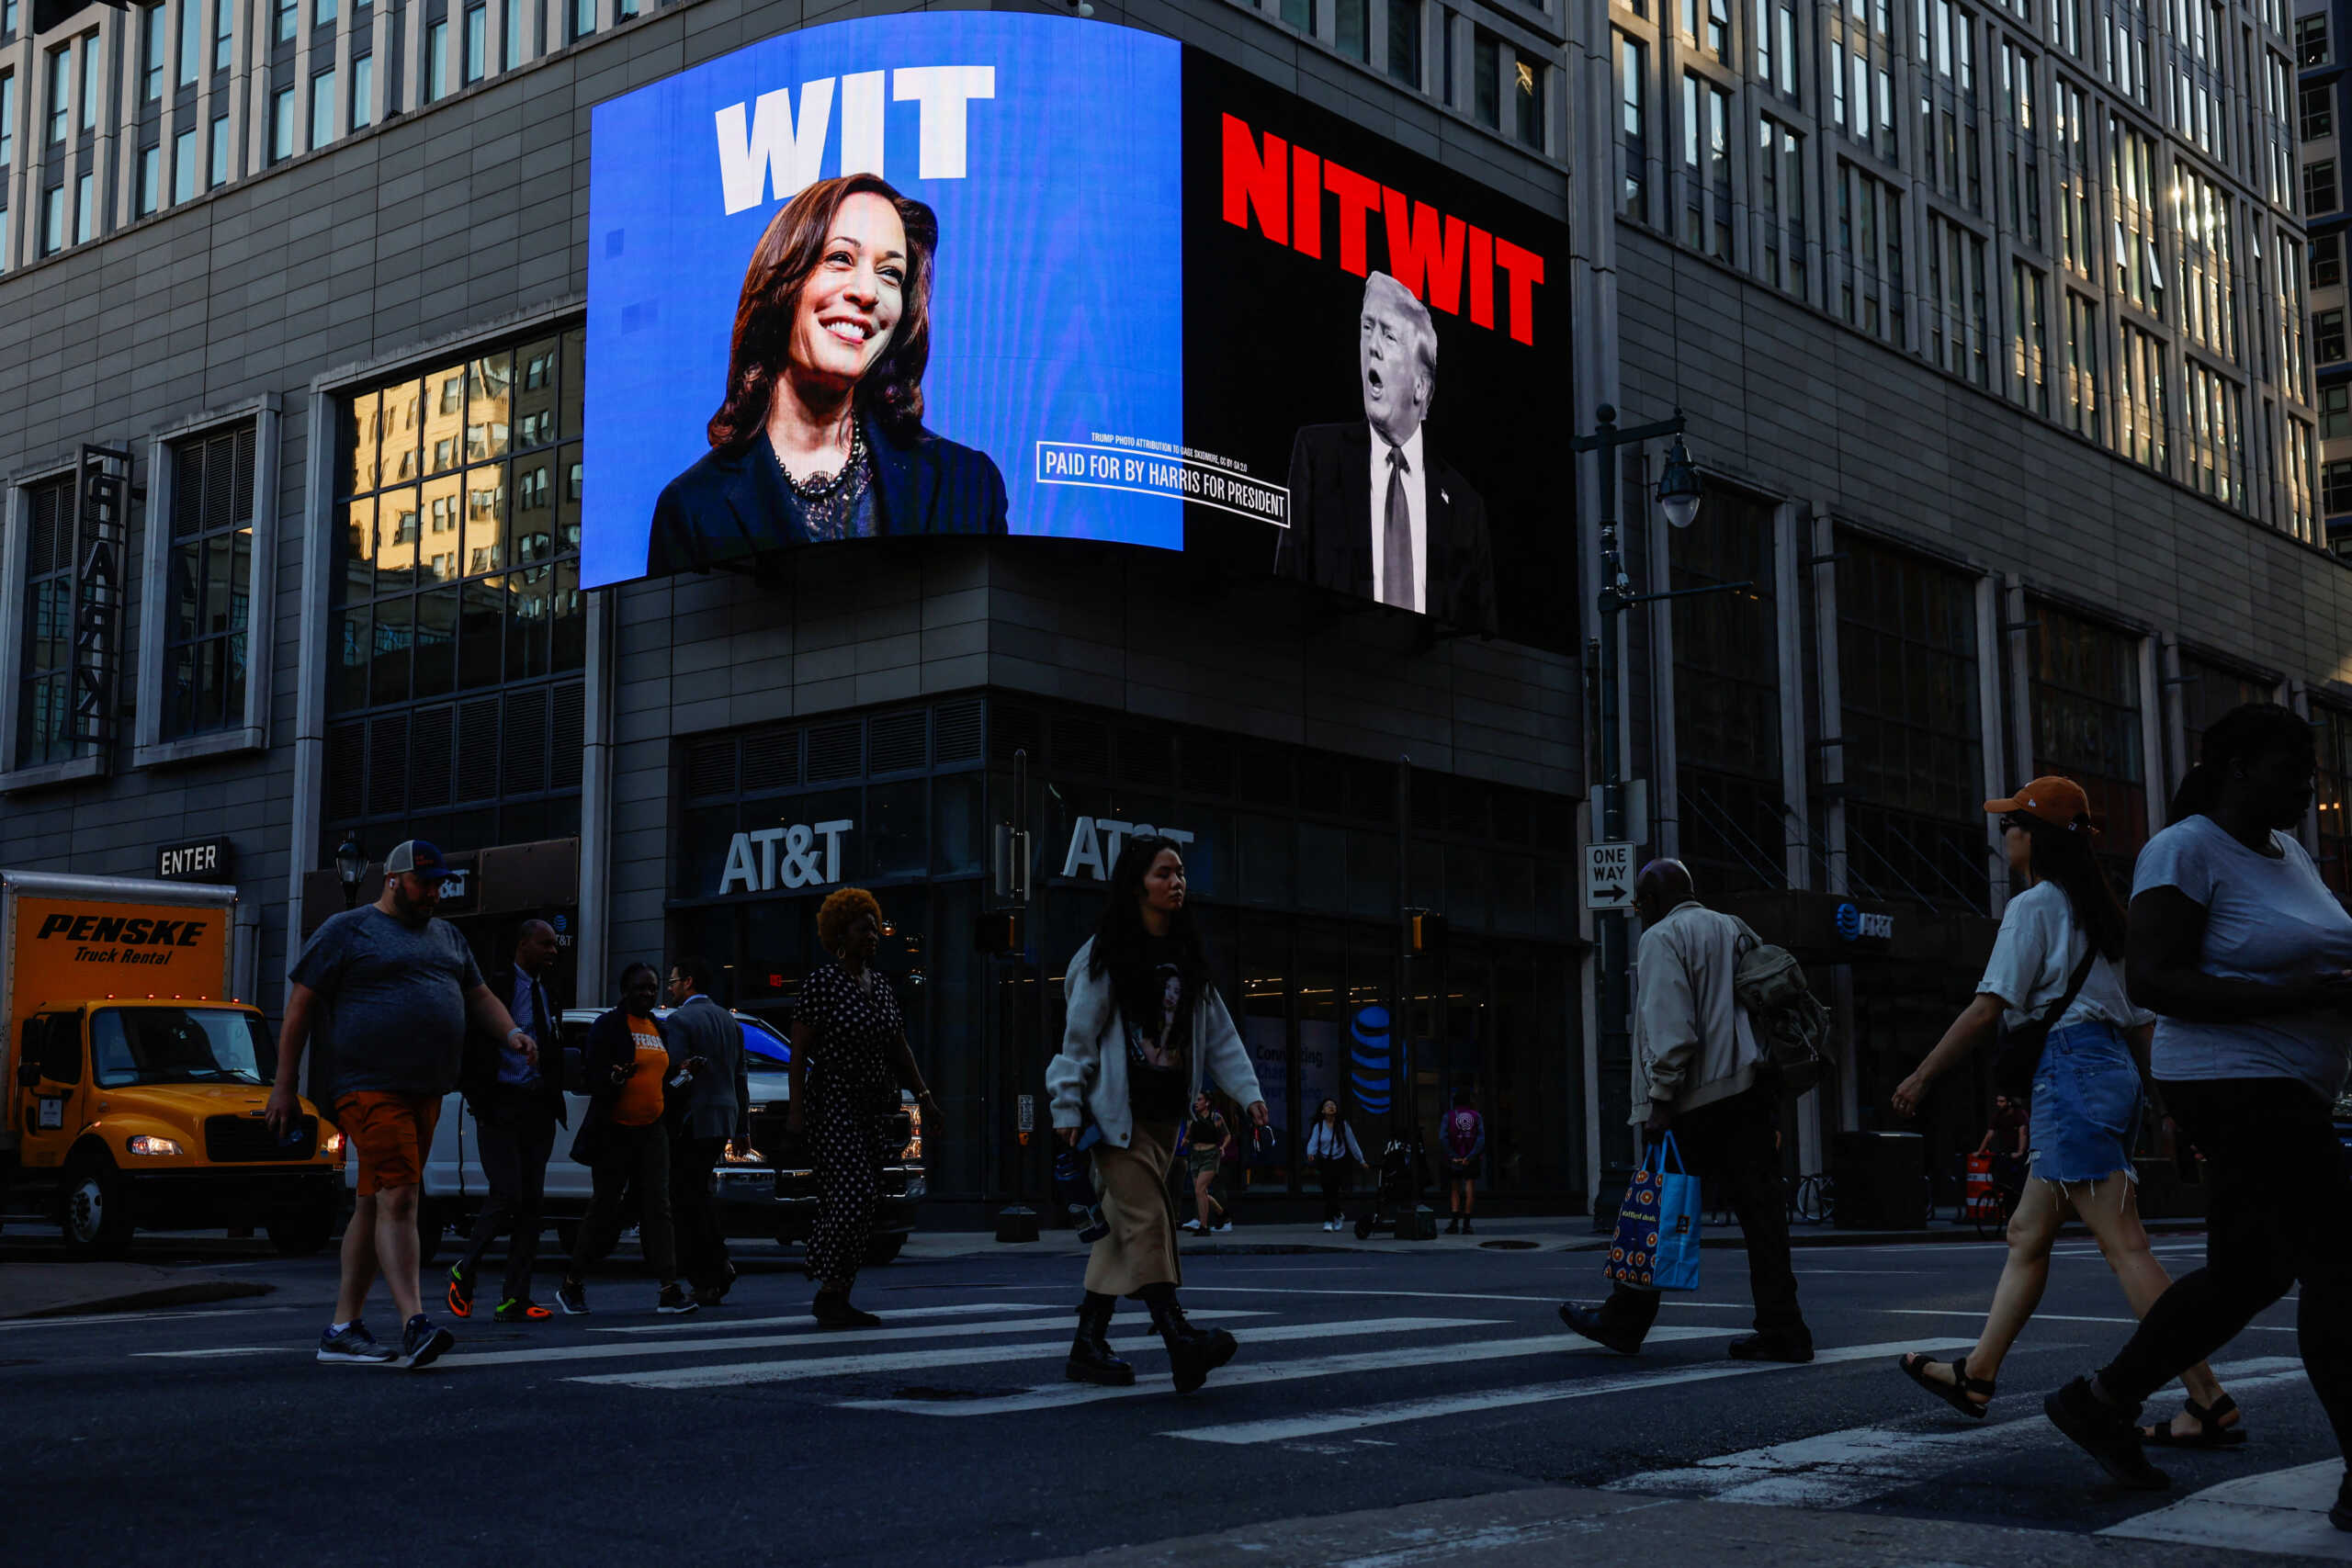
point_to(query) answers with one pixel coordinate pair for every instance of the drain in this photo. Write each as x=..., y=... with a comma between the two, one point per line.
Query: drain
x=1509, y=1245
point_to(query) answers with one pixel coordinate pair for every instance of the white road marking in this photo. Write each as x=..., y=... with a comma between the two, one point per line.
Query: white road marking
x=2053, y=1317
x=93, y=1319
x=1325, y=1422
x=225, y=1350
x=802, y=1320
x=1057, y=1396
x=622, y=1350
x=844, y=1366
x=2284, y=1512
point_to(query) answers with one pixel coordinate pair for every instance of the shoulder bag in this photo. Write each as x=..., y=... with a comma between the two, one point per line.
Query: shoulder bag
x=2020, y=1053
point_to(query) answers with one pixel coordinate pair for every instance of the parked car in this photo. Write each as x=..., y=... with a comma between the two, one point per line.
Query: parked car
x=758, y=1197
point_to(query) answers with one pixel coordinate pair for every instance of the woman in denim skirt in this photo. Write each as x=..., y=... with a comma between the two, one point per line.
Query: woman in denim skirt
x=2060, y=947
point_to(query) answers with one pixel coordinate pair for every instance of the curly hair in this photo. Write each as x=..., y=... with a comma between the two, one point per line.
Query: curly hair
x=842, y=910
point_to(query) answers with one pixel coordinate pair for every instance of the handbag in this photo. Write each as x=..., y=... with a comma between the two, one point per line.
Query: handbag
x=589, y=1144
x=1657, y=1247
x=2020, y=1050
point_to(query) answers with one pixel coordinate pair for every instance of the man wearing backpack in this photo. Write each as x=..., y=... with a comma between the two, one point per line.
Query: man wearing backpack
x=1700, y=1071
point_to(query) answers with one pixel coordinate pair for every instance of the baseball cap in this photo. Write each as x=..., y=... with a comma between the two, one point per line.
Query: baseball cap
x=2059, y=802
x=418, y=858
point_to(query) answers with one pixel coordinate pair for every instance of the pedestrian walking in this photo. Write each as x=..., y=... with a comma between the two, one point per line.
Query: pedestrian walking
x=849, y=1058
x=1207, y=1141
x=1464, y=1137
x=386, y=993
x=1699, y=1072
x=625, y=1141
x=2057, y=965
x=516, y=1103
x=1332, y=1150
x=2006, y=1141
x=1144, y=1031
x=716, y=1113
x=2246, y=956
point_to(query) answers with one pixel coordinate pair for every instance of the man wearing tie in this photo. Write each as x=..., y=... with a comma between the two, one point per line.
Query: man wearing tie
x=516, y=1105
x=1374, y=510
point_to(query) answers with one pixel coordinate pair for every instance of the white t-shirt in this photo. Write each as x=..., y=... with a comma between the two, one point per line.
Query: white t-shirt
x=2034, y=957
x=2265, y=919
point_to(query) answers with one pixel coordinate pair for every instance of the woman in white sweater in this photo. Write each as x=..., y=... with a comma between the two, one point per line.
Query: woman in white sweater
x=1145, y=1031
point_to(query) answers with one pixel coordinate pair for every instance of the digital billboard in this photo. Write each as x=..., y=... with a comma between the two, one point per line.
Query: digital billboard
x=982, y=273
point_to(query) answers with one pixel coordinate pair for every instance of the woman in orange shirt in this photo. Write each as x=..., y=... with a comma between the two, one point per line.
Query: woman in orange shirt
x=625, y=1141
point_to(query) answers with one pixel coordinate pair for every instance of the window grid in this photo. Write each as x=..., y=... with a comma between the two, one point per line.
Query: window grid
x=44, y=687
x=207, y=613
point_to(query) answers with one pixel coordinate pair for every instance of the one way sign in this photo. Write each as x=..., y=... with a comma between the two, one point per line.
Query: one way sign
x=1607, y=876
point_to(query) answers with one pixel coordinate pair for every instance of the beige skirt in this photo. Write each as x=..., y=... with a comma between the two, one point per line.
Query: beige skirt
x=1133, y=1185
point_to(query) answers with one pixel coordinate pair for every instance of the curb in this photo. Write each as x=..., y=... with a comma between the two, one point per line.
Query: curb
x=186, y=1295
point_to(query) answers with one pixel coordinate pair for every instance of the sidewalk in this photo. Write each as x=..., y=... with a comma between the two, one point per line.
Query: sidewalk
x=57, y=1289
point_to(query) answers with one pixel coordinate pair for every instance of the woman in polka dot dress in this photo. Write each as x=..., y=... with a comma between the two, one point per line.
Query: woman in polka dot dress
x=849, y=1057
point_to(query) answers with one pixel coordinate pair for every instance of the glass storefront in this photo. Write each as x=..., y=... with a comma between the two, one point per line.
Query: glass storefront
x=1300, y=866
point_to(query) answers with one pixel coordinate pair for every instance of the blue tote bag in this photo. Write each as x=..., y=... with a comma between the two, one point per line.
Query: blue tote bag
x=1657, y=1226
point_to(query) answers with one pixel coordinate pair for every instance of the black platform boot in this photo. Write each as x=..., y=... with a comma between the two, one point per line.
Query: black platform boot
x=1090, y=1357
x=1192, y=1353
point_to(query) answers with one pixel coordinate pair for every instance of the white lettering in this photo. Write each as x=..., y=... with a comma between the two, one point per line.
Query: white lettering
x=1114, y=838
x=799, y=869
x=942, y=91
x=765, y=837
x=777, y=147
x=831, y=833
x=1095, y=843
x=861, y=122
x=741, y=867
x=787, y=856
x=1085, y=850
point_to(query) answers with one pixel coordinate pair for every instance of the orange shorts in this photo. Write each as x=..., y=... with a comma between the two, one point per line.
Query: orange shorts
x=390, y=1135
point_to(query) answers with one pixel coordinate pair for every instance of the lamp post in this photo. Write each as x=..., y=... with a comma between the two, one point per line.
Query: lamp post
x=1677, y=497
x=350, y=864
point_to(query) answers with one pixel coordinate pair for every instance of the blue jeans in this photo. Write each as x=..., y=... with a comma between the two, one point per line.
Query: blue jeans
x=2086, y=1103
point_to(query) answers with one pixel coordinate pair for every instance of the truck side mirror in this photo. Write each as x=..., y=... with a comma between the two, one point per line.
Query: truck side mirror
x=27, y=1074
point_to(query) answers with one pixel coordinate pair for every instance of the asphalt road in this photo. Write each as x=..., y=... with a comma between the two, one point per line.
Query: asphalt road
x=210, y=1435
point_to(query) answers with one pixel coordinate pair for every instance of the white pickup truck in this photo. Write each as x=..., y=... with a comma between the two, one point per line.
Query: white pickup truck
x=757, y=1198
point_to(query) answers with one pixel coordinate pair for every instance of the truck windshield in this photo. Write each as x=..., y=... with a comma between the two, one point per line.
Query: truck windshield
x=150, y=1045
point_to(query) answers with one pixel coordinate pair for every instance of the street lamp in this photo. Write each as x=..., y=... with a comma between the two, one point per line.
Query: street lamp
x=350, y=864
x=1677, y=497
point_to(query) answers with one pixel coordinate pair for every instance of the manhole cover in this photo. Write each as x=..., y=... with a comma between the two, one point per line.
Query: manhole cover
x=1509, y=1245
x=924, y=1391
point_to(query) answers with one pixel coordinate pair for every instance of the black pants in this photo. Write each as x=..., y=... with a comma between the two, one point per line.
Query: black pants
x=702, y=1242
x=1334, y=1173
x=515, y=1133
x=1730, y=1143
x=635, y=1158
x=2279, y=1209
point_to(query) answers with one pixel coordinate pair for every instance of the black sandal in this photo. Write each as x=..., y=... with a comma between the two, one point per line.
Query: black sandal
x=2211, y=1433
x=1955, y=1392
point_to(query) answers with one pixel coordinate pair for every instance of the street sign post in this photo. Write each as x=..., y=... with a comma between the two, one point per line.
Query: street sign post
x=1609, y=876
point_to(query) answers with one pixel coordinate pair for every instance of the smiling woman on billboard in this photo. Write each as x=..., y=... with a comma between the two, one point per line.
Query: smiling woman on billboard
x=820, y=437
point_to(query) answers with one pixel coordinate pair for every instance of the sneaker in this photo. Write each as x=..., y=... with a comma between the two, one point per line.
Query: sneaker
x=674, y=1302
x=355, y=1345
x=572, y=1296
x=513, y=1311
x=1192, y=1225
x=2108, y=1435
x=422, y=1341
x=461, y=1291
x=1220, y=1228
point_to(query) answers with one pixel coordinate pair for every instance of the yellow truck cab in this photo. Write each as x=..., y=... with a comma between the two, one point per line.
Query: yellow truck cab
x=136, y=1078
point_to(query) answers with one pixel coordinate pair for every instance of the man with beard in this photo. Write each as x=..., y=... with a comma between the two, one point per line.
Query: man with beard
x=1373, y=511
x=387, y=992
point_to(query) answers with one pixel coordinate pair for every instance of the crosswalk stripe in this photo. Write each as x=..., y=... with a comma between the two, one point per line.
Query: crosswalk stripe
x=841, y=1366
x=1056, y=1396
x=1322, y=1422
x=224, y=1350
x=1841, y=1470
x=620, y=1351
x=2058, y=1317
x=2283, y=1512
x=801, y=1319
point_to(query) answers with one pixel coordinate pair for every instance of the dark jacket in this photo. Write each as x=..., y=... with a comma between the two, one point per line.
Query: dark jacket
x=732, y=505
x=1331, y=534
x=477, y=1077
x=612, y=1044
x=717, y=1104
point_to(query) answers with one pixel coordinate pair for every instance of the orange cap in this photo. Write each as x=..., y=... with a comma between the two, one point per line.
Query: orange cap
x=2059, y=802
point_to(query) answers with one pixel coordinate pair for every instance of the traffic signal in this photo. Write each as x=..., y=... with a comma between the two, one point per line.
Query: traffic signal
x=1001, y=931
x=1424, y=932
x=48, y=14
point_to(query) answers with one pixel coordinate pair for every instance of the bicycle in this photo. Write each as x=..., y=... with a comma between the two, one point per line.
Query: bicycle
x=1990, y=1188
x=1815, y=1199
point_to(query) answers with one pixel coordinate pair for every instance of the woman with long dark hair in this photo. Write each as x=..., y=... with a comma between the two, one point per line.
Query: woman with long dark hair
x=2245, y=956
x=1332, y=1150
x=1145, y=1031
x=2057, y=964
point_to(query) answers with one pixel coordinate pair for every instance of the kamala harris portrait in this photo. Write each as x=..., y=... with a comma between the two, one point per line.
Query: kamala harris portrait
x=820, y=437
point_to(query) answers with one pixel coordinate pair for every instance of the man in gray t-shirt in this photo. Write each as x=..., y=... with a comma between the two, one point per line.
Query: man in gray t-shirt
x=387, y=992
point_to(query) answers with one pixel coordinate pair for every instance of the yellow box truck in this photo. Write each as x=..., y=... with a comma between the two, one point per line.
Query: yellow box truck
x=136, y=1077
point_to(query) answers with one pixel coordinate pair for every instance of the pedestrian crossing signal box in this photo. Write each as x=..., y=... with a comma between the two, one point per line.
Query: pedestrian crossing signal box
x=1003, y=931
x=1425, y=932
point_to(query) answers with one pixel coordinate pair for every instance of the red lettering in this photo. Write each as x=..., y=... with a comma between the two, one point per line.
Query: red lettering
x=1526, y=270
x=1359, y=199
x=1427, y=245
x=1255, y=183
x=1307, y=221
x=1482, y=278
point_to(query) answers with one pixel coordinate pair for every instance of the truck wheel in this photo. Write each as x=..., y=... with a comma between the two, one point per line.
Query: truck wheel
x=93, y=1210
x=298, y=1232
x=881, y=1249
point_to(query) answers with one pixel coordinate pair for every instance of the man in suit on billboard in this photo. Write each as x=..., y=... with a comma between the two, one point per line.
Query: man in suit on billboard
x=1374, y=510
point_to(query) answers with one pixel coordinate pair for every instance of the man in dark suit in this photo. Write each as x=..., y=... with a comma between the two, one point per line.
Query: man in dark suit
x=516, y=1105
x=717, y=1112
x=1373, y=511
